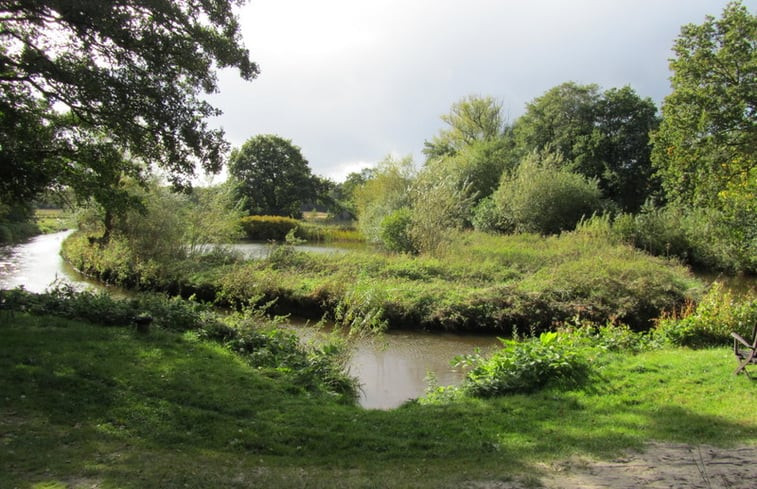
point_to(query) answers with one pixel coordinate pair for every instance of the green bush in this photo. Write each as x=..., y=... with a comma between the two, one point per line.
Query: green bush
x=700, y=237
x=542, y=196
x=263, y=228
x=711, y=322
x=525, y=366
x=395, y=231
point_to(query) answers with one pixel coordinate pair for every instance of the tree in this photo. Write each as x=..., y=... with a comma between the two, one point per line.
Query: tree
x=602, y=135
x=386, y=191
x=92, y=90
x=706, y=147
x=473, y=118
x=271, y=176
x=625, y=121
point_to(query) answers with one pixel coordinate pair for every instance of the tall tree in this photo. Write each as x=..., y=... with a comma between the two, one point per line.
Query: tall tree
x=706, y=147
x=271, y=176
x=92, y=89
x=602, y=135
x=473, y=118
x=624, y=121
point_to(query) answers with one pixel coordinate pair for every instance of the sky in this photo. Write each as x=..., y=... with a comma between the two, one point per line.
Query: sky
x=352, y=81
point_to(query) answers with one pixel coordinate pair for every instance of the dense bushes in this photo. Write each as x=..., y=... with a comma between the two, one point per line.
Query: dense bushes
x=711, y=321
x=541, y=196
x=525, y=366
x=395, y=231
x=276, y=228
x=699, y=237
x=264, y=228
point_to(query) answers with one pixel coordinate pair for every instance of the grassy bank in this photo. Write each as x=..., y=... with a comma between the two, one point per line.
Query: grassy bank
x=481, y=283
x=86, y=405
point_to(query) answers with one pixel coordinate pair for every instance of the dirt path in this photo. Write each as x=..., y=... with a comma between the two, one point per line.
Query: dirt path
x=660, y=465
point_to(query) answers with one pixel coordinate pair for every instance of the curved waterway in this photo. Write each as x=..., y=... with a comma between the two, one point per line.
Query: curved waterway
x=392, y=369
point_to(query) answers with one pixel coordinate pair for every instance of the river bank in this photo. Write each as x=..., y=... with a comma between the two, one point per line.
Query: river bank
x=85, y=405
x=484, y=283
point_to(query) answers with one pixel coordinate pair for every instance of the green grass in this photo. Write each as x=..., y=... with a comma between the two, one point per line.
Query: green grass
x=83, y=404
x=483, y=282
x=52, y=220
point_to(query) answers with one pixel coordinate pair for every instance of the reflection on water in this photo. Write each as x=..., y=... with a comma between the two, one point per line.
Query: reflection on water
x=255, y=249
x=36, y=264
x=393, y=369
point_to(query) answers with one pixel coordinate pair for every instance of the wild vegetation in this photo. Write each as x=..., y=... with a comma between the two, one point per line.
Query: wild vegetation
x=182, y=408
x=569, y=231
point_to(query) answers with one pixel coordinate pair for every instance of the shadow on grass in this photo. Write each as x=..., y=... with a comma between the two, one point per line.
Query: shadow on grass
x=84, y=403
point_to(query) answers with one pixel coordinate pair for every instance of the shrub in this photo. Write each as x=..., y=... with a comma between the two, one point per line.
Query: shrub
x=265, y=228
x=700, y=237
x=525, y=366
x=543, y=197
x=486, y=218
x=711, y=322
x=395, y=231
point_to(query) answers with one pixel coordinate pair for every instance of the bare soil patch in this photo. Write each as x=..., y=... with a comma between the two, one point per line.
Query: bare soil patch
x=659, y=465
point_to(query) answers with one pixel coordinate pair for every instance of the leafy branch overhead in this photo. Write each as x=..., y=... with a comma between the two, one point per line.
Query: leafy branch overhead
x=79, y=79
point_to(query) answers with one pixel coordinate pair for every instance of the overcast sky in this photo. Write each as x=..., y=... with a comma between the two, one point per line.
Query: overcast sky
x=350, y=81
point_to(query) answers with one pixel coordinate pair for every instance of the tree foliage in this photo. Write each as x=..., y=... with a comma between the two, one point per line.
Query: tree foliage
x=92, y=90
x=602, y=135
x=706, y=147
x=386, y=191
x=473, y=118
x=271, y=176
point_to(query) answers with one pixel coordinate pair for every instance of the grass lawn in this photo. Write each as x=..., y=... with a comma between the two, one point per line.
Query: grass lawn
x=84, y=405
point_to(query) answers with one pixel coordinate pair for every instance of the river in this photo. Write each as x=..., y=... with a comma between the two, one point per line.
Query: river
x=391, y=369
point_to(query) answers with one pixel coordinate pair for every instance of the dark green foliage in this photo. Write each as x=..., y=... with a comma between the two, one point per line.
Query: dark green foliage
x=16, y=222
x=526, y=366
x=706, y=147
x=271, y=176
x=263, y=228
x=130, y=78
x=395, y=231
x=601, y=135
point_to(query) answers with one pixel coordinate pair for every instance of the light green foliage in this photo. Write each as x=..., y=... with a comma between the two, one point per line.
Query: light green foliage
x=525, y=366
x=440, y=208
x=478, y=165
x=472, y=119
x=251, y=334
x=395, y=231
x=698, y=236
x=543, y=196
x=271, y=176
x=706, y=147
x=211, y=218
x=711, y=321
x=385, y=192
x=157, y=232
